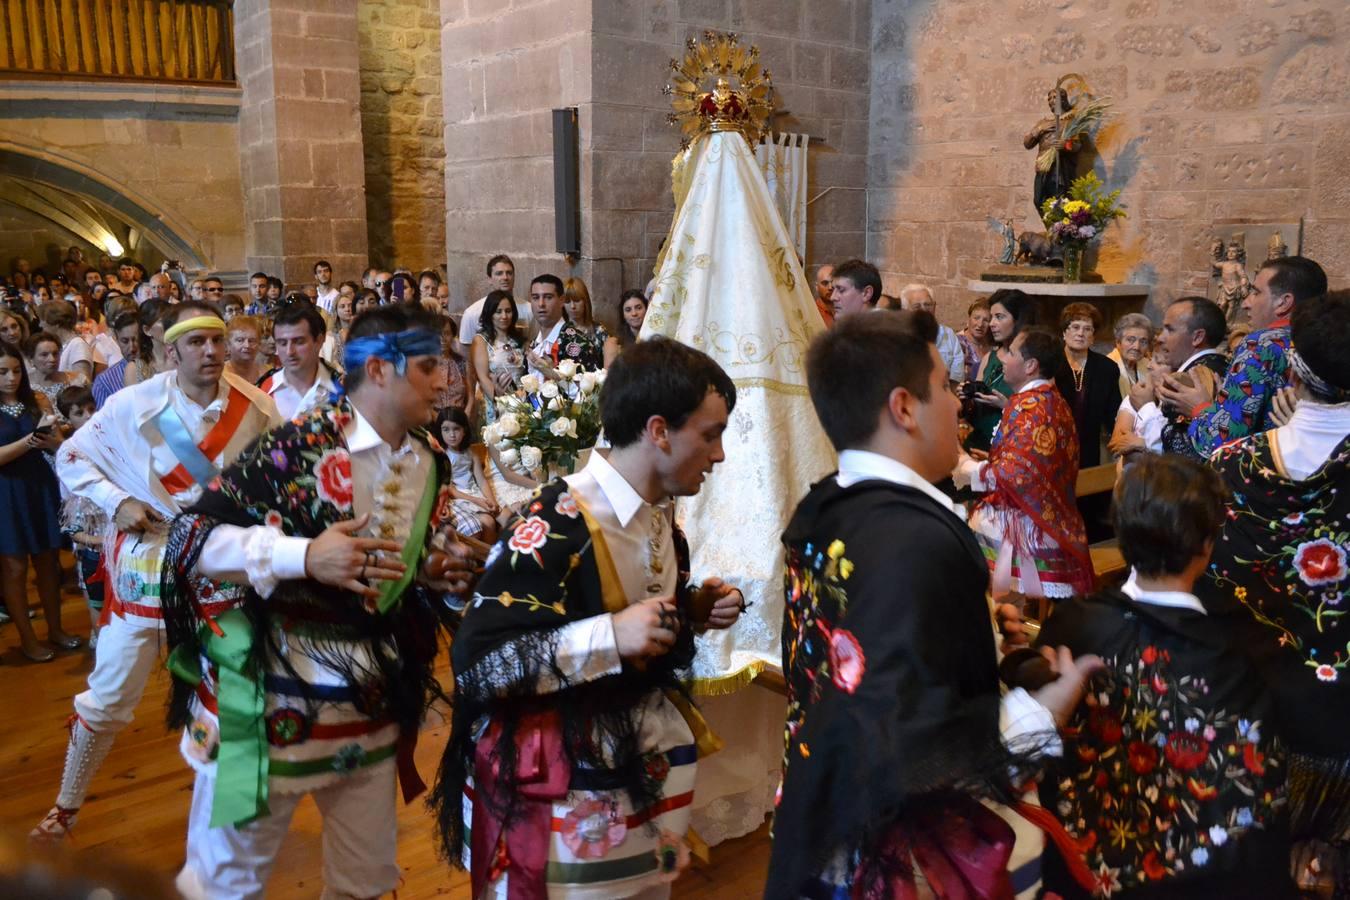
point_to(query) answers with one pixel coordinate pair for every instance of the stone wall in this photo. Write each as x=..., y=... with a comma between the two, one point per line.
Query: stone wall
x=402, y=119
x=26, y=235
x=1227, y=111
x=505, y=68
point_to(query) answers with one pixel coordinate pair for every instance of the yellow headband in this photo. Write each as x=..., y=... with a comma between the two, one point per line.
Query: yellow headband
x=178, y=329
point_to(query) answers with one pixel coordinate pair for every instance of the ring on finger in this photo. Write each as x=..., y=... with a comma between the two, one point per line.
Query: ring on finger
x=362, y=575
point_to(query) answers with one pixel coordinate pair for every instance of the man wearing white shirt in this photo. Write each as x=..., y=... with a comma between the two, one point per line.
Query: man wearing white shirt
x=304, y=380
x=501, y=274
x=920, y=297
x=887, y=641
x=1193, y=329
x=337, y=599
x=146, y=455
x=546, y=300
x=326, y=295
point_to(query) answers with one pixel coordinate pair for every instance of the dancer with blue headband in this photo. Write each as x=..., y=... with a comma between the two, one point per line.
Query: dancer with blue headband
x=337, y=527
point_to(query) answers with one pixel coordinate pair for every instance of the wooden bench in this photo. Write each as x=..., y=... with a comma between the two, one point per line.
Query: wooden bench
x=1108, y=566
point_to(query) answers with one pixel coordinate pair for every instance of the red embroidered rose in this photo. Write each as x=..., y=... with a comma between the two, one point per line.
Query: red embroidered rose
x=272, y=519
x=1320, y=562
x=1105, y=724
x=1201, y=791
x=846, y=661
x=529, y=536
x=333, y=478
x=1254, y=760
x=1152, y=867
x=1185, y=751
x=1150, y=655
x=1143, y=757
x=566, y=506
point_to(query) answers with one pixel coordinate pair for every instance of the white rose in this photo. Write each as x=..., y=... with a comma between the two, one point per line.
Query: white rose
x=567, y=368
x=549, y=390
x=555, y=404
x=530, y=383
x=509, y=456
x=531, y=457
x=559, y=426
x=492, y=435
x=600, y=375
x=587, y=382
x=508, y=425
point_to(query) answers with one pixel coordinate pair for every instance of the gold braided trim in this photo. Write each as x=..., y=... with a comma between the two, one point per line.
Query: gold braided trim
x=728, y=684
x=773, y=386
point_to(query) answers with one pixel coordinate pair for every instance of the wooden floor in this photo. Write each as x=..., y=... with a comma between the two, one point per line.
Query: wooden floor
x=137, y=808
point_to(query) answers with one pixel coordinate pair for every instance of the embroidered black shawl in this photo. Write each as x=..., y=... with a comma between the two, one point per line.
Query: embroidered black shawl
x=543, y=574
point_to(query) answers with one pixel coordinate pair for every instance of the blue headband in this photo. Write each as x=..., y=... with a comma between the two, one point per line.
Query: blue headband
x=394, y=348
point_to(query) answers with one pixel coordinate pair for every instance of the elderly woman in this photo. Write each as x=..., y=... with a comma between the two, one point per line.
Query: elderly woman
x=1090, y=382
x=974, y=338
x=1134, y=337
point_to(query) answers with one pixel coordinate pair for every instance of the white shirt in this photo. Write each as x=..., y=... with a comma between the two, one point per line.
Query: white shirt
x=104, y=345
x=1306, y=441
x=78, y=350
x=290, y=402
x=1171, y=599
x=543, y=344
x=327, y=299
x=263, y=556
x=1023, y=721
x=468, y=321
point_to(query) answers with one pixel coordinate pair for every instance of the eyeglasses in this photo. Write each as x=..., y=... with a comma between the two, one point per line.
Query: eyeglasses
x=216, y=290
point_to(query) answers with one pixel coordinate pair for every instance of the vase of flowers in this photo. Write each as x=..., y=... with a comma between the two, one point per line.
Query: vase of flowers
x=550, y=423
x=1076, y=220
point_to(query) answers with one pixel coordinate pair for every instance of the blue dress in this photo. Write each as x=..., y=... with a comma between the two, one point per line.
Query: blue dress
x=30, y=498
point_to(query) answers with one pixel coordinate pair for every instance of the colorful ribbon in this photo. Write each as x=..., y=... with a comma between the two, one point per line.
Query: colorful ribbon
x=394, y=348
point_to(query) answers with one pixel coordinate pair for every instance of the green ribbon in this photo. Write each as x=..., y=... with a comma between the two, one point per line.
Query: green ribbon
x=391, y=591
x=241, y=764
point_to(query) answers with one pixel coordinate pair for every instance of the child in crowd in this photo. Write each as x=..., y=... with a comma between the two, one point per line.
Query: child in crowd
x=81, y=519
x=1171, y=782
x=475, y=506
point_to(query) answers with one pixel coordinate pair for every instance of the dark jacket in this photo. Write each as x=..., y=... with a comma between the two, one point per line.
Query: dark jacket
x=1094, y=413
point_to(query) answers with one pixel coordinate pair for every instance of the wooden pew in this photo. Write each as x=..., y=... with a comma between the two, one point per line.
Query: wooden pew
x=1108, y=566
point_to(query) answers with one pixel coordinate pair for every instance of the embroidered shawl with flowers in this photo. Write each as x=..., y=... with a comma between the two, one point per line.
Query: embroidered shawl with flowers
x=549, y=569
x=1172, y=781
x=1033, y=464
x=893, y=696
x=1280, y=565
x=298, y=478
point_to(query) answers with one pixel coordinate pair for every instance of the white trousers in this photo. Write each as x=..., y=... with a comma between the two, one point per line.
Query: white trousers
x=123, y=661
x=360, y=831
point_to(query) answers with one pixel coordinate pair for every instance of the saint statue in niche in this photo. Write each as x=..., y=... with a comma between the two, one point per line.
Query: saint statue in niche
x=1230, y=268
x=1056, y=151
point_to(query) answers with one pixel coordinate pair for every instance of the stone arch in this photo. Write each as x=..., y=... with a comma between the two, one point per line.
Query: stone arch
x=70, y=173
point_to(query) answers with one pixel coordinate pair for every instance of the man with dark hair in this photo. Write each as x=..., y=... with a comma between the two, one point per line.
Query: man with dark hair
x=855, y=287
x=213, y=289
x=316, y=678
x=128, y=277
x=147, y=454
x=1177, y=687
x=1281, y=568
x=257, y=294
x=126, y=328
x=303, y=381
x=895, y=721
x=501, y=273
x=1259, y=369
x=325, y=294
x=428, y=280
x=575, y=651
x=1027, y=523
x=558, y=339
x=1192, y=332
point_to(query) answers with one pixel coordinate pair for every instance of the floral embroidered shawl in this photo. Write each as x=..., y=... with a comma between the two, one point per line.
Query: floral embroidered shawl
x=1172, y=779
x=298, y=478
x=1281, y=565
x=544, y=573
x=1034, y=466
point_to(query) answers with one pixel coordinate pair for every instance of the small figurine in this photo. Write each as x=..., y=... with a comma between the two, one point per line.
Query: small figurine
x=1037, y=248
x=1005, y=231
x=1276, y=248
x=1230, y=267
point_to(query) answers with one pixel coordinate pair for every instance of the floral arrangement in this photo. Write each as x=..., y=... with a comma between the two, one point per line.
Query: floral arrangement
x=1078, y=219
x=548, y=422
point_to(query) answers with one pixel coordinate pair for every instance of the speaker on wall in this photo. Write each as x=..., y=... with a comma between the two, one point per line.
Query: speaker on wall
x=566, y=182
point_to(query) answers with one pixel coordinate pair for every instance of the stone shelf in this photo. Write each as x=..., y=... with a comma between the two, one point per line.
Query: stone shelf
x=1050, y=289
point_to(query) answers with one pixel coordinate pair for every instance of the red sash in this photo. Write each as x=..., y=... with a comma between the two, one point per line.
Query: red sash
x=236, y=406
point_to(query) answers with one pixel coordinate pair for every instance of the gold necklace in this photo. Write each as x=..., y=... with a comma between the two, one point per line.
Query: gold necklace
x=1077, y=377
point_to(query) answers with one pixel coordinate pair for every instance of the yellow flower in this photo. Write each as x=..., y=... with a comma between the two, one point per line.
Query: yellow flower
x=836, y=550
x=559, y=608
x=1241, y=594
x=1074, y=206
x=505, y=599
x=845, y=568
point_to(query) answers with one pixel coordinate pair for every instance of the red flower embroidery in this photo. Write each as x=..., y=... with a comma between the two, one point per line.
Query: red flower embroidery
x=1185, y=751
x=592, y=828
x=846, y=661
x=1104, y=723
x=1152, y=867
x=1201, y=791
x=272, y=519
x=1143, y=757
x=1320, y=562
x=1150, y=655
x=566, y=506
x=529, y=536
x=1254, y=760
x=333, y=478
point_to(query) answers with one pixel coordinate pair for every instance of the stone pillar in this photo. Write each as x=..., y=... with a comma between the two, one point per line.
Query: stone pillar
x=300, y=137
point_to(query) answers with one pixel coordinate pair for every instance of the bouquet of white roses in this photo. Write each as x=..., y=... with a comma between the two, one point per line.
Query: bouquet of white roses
x=548, y=422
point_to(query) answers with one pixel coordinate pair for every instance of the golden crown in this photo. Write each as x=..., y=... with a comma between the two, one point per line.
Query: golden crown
x=739, y=97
